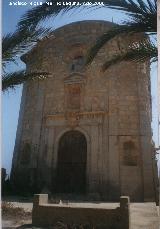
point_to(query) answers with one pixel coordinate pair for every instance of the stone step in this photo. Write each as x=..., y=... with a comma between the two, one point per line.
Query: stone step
x=144, y=216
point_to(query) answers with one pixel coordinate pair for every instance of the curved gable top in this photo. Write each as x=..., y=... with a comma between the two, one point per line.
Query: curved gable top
x=67, y=30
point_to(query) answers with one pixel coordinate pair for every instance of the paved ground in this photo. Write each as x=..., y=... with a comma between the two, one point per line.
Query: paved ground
x=143, y=215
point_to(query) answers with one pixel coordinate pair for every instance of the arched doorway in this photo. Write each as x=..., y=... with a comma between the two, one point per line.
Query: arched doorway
x=71, y=165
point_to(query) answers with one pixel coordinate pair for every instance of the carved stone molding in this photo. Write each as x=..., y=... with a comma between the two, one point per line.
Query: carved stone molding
x=77, y=115
x=75, y=78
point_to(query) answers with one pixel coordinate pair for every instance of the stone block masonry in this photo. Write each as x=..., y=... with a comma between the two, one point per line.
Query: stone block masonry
x=84, y=131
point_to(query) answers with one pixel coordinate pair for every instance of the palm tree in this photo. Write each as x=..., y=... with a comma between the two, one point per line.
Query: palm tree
x=142, y=19
x=22, y=40
x=13, y=46
x=10, y=80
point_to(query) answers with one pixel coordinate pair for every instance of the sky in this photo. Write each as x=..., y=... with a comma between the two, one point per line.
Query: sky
x=11, y=99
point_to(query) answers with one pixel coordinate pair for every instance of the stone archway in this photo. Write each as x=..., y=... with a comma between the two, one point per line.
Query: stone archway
x=71, y=163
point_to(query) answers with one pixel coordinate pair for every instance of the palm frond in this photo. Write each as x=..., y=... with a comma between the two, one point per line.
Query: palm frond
x=15, y=44
x=137, y=52
x=51, y=8
x=140, y=11
x=144, y=19
x=13, y=79
x=137, y=7
x=134, y=8
x=112, y=33
x=34, y=16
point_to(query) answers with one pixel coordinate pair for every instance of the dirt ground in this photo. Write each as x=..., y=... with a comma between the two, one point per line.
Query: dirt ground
x=17, y=213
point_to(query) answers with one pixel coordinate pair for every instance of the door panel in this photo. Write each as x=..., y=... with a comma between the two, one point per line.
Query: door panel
x=71, y=166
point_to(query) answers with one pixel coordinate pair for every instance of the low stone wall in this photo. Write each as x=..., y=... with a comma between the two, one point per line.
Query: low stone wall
x=45, y=214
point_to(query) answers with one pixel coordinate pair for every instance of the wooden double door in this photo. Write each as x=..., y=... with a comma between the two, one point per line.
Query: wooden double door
x=72, y=162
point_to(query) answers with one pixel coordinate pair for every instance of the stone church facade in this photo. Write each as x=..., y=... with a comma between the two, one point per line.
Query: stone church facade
x=83, y=130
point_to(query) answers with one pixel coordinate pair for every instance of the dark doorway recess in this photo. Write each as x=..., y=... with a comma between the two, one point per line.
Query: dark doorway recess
x=71, y=165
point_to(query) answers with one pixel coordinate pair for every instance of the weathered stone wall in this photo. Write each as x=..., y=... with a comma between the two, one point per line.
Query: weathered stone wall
x=45, y=214
x=112, y=109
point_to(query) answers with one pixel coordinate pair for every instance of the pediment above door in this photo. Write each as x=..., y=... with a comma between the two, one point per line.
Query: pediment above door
x=75, y=78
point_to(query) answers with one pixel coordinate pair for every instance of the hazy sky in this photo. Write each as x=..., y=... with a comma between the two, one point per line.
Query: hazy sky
x=11, y=99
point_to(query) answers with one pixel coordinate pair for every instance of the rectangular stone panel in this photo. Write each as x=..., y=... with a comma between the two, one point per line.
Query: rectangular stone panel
x=131, y=182
x=114, y=176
